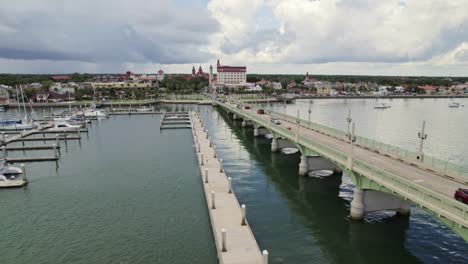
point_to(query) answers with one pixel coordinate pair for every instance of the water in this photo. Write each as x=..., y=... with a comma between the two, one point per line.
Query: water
x=399, y=125
x=106, y=206
x=130, y=194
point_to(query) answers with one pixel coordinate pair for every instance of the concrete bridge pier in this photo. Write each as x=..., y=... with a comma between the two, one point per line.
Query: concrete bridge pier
x=246, y=123
x=365, y=201
x=274, y=145
x=260, y=131
x=303, y=166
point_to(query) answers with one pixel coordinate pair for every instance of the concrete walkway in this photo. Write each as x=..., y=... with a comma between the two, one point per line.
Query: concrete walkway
x=240, y=246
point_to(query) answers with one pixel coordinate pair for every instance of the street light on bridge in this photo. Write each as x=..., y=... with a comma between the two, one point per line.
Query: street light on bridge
x=352, y=139
x=348, y=119
x=422, y=136
x=310, y=109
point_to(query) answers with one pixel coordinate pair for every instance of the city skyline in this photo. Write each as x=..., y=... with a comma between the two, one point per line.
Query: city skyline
x=407, y=38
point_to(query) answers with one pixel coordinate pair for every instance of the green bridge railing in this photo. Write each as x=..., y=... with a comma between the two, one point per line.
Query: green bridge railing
x=439, y=204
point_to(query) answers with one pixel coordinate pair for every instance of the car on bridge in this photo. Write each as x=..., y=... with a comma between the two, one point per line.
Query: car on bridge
x=275, y=121
x=246, y=107
x=260, y=111
x=461, y=195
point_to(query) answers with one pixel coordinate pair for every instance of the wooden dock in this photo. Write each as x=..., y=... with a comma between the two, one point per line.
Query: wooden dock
x=175, y=120
x=31, y=159
x=226, y=215
x=40, y=147
x=135, y=113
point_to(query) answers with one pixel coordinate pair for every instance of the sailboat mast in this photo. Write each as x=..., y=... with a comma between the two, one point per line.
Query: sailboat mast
x=17, y=99
x=24, y=105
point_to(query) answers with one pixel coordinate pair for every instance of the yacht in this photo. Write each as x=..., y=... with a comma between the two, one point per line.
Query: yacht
x=454, y=105
x=5, y=169
x=64, y=126
x=381, y=105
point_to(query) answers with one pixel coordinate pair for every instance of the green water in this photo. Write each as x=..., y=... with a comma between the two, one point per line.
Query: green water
x=130, y=194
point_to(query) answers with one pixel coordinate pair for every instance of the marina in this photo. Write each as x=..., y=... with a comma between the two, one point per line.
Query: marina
x=279, y=204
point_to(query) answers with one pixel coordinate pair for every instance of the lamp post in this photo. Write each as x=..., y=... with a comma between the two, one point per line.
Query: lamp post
x=352, y=139
x=422, y=136
x=297, y=127
x=348, y=119
x=310, y=109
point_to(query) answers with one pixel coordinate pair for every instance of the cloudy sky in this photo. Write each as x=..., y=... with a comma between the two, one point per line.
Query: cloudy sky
x=391, y=37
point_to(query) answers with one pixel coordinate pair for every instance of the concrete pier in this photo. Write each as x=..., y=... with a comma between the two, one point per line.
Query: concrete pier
x=234, y=239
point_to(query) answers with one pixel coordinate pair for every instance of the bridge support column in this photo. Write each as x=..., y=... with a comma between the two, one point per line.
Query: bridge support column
x=405, y=209
x=274, y=145
x=303, y=167
x=357, y=205
x=244, y=123
x=256, y=134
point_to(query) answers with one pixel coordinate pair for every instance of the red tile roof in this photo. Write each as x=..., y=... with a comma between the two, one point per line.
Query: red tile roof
x=60, y=77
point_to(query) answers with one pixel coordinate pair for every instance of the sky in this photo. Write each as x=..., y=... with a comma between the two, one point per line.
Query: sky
x=357, y=37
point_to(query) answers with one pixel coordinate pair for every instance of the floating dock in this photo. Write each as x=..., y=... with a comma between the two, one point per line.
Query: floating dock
x=175, y=120
x=234, y=239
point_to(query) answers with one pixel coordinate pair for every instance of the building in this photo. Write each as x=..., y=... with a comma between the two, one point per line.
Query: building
x=276, y=85
x=160, y=75
x=60, y=78
x=53, y=97
x=231, y=75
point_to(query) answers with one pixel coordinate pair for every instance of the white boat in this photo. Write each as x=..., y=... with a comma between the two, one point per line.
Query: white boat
x=289, y=150
x=13, y=127
x=2, y=109
x=268, y=136
x=64, y=126
x=95, y=113
x=454, y=105
x=382, y=106
x=5, y=169
x=320, y=173
x=144, y=109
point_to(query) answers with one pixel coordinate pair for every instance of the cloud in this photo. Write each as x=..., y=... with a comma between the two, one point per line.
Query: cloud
x=307, y=31
x=105, y=31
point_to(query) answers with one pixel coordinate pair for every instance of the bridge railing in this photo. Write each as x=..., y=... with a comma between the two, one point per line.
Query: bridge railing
x=432, y=200
x=412, y=157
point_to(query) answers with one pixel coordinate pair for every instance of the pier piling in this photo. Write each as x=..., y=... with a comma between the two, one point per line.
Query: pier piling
x=229, y=185
x=243, y=221
x=265, y=256
x=4, y=151
x=206, y=175
x=223, y=240
x=220, y=165
x=23, y=169
x=213, y=204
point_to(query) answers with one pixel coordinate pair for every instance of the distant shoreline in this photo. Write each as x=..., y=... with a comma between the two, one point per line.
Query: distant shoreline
x=381, y=97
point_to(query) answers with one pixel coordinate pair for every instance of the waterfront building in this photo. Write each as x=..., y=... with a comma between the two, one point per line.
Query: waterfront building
x=231, y=75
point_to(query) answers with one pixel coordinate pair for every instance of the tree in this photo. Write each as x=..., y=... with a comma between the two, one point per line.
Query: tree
x=45, y=85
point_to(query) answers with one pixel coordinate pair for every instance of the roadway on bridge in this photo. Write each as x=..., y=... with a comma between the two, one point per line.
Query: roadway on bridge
x=440, y=184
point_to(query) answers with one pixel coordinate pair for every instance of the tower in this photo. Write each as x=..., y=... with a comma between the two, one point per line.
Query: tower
x=193, y=70
x=211, y=75
x=200, y=71
x=218, y=64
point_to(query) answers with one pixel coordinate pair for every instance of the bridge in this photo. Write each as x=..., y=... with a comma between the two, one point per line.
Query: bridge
x=385, y=177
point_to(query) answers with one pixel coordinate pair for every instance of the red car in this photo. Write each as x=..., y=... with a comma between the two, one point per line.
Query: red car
x=461, y=195
x=246, y=107
x=260, y=112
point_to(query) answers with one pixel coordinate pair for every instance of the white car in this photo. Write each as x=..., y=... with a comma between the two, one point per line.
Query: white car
x=275, y=121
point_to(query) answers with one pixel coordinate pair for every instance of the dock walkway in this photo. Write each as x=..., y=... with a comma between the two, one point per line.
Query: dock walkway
x=241, y=246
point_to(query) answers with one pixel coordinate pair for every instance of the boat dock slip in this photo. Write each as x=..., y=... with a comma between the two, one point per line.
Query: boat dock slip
x=32, y=159
x=175, y=120
x=40, y=147
x=234, y=239
x=135, y=113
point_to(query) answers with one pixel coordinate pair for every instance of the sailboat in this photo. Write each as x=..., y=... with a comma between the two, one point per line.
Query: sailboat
x=19, y=124
x=380, y=105
x=453, y=104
